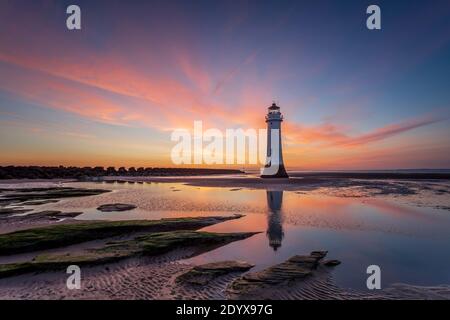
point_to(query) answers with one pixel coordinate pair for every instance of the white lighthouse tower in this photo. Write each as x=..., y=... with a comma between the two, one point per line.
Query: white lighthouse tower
x=274, y=167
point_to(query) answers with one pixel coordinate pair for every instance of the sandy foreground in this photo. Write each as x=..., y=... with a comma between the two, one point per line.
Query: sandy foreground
x=155, y=277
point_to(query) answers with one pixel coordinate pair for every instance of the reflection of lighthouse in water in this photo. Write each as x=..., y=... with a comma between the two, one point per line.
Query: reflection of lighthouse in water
x=274, y=219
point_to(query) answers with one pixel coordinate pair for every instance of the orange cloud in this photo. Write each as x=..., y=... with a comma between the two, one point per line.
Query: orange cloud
x=162, y=103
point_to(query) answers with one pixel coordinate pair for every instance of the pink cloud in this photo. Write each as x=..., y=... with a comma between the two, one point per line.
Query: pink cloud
x=331, y=135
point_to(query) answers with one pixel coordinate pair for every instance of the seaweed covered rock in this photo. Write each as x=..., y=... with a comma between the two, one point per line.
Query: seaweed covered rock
x=24, y=196
x=116, y=207
x=57, y=236
x=202, y=274
x=147, y=245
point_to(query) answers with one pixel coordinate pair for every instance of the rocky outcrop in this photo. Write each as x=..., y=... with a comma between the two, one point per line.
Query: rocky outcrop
x=203, y=274
x=151, y=244
x=56, y=236
x=294, y=269
x=331, y=263
x=13, y=210
x=38, y=202
x=24, y=196
x=17, y=214
x=116, y=207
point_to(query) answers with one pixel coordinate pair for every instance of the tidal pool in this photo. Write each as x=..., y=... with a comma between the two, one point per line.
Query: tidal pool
x=409, y=243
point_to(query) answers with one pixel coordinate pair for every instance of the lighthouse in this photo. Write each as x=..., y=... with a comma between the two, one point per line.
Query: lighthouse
x=274, y=167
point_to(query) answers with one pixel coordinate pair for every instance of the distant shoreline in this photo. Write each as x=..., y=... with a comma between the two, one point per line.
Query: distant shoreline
x=37, y=173
x=90, y=173
x=410, y=175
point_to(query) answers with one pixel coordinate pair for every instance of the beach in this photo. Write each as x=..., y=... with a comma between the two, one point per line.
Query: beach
x=393, y=219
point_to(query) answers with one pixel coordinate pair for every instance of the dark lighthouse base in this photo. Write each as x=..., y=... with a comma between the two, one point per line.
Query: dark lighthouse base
x=280, y=174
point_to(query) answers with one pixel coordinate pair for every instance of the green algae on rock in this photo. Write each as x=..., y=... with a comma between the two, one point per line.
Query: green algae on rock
x=63, y=235
x=147, y=245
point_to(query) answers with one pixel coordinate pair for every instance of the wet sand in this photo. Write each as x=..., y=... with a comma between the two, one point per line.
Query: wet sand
x=427, y=190
x=377, y=184
x=154, y=278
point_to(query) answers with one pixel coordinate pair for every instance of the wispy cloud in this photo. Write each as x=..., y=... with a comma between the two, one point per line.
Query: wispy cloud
x=388, y=131
x=331, y=135
x=234, y=72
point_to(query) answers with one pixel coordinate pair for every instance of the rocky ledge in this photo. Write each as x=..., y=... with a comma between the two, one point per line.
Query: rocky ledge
x=56, y=236
x=116, y=207
x=11, y=214
x=203, y=274
x=294, y=269
x=38, y=196
x=150, y=244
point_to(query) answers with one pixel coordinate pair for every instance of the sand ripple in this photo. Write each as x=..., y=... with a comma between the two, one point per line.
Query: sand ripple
x=154, y=278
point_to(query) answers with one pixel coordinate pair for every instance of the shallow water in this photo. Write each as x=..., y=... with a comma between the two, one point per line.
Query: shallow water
x=409, y=243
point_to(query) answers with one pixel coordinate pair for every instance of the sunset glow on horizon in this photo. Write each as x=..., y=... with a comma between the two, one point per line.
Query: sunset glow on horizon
x=111, y=93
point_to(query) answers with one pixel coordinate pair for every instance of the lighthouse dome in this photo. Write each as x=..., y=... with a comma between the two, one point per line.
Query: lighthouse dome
x=274, y=107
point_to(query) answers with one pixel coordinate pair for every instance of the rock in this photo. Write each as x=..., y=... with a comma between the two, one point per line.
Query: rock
x=16, y=210
x=150, y=244
x=46, y=213
x=60, y=235
x=294, y=269
x=319, y=254
x=56, y=215
x=68, y=214
x=331, y=263
x=39, y=194
x=202, y=274
x=37, y=202
x=111, y=207
x=11, y=215
x=36, y=216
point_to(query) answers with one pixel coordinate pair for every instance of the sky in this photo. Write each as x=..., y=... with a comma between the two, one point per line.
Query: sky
x=111, y=93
